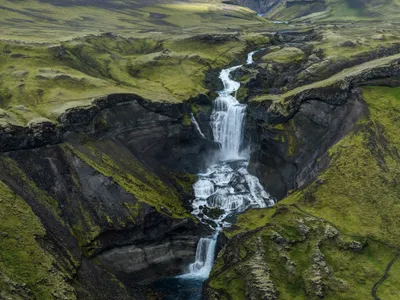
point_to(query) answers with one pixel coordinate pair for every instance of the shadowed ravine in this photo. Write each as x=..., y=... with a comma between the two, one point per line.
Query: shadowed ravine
x=225, y=188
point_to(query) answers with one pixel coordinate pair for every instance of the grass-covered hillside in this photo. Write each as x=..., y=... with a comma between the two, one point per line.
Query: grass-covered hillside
x=329, y=11
x=338, y=238
x=43, y=80
x=55, y=55
x=61, y=19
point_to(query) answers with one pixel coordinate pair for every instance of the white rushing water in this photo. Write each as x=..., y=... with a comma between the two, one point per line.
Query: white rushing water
x=250, y=60
x=226, y=187
x=194, y=121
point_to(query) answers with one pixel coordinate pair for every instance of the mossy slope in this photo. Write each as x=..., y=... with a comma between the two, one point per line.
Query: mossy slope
x=27, y=270
x=43, y=80
x=358, y=195
x=336, y=10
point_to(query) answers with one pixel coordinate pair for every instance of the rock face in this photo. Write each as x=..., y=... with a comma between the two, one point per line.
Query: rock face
x=294, y=250
x=157, y=128
x=109, y=187
x=144, y=264
x=292, y=136
x=288, y=156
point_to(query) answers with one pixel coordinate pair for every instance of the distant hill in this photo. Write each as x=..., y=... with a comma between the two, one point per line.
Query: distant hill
x=48, y=18
x=325, y=10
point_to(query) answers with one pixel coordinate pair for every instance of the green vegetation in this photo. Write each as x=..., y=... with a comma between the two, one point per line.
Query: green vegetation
x=27, y=270
x=360, y=193
x=128, y=172
x=285, y=55
x=298, y=256
x=350, y=40
x=58, y=55
x=357, y=195
x=43, y=81
x=330, y=11
x=49, y=20
x=346, y=74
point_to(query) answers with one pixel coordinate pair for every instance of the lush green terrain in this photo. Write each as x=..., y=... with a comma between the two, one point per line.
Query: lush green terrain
x=305, y=243
x=337, y=237
x=61, y=20
x=58, y=57
x=332, y=11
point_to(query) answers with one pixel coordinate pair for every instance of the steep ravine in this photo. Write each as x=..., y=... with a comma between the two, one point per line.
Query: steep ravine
x=110, y=181
x=97, y=205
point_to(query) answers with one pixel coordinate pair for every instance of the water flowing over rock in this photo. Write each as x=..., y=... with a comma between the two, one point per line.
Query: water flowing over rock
x=226, y=185
x=194, y=121
x=204, y=258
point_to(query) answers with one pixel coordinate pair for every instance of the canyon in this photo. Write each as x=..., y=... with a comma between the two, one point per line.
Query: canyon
x=258, y=161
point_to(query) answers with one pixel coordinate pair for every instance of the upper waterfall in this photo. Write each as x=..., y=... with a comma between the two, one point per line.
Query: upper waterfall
x=227, y=118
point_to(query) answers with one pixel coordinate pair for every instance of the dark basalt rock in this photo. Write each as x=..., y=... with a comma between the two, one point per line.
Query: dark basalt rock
x=288, y=159
x=156, y=128
x=311, y=121
x=94, y=219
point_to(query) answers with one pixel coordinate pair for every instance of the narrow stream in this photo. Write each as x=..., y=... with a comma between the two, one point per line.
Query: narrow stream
x=225, y=189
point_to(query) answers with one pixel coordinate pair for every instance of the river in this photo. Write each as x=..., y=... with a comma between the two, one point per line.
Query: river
x=226, y=186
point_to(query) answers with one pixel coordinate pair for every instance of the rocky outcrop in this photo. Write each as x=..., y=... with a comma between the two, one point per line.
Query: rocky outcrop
x=278, y=77
x=289, y=155
x=292, y=136
x=158, y=129
x=294, y=249
x=147, y=263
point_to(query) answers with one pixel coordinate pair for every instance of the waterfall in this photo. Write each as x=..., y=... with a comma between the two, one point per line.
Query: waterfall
x=250, y=60
x=227, y=118
x=225, y=185
x=194, y=121
x=204, y=259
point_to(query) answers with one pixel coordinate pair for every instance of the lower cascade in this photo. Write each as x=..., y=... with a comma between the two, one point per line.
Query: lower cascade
x=201, y=268
x=226, y=188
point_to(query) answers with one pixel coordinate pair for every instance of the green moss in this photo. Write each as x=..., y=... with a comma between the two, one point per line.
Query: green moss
x=126, y=171
x=21, y=257
x=279, y=126
x=358, y=270
x=256, y=40
x=134, y=209
x=184, y=181
x=285, y=55
x=242, y=94
x=85, y=230
x=230, y=281
x=250, y=220
x=280, y=255
x=30, y=19
x=389, y=287
x=358, y=196
x=11, y=167
x=47, y=80
x=186, y=120
x=291, y=140
x=360, y=190
x=281, y=102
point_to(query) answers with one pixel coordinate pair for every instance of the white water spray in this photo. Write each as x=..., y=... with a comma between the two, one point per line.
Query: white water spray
x=205, y=252
x=226, y=186
x=250, y=56
x=194, y=121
